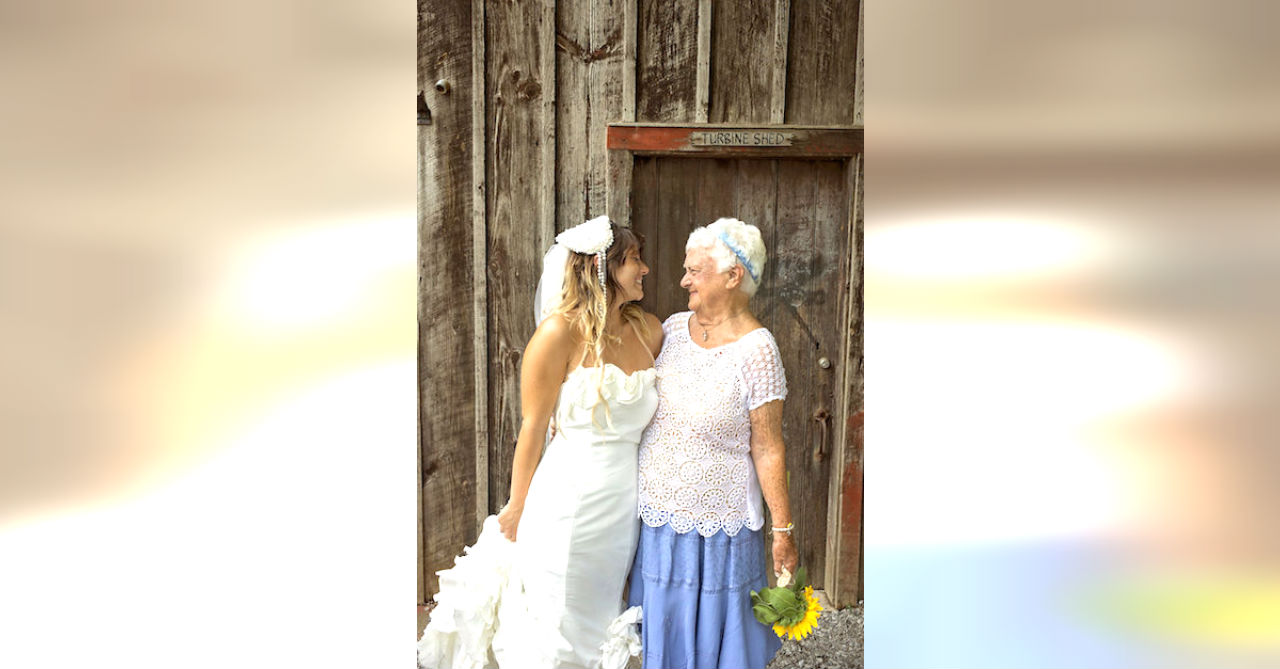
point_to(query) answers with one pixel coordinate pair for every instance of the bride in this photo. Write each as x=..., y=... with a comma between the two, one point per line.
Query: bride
x=542, y=586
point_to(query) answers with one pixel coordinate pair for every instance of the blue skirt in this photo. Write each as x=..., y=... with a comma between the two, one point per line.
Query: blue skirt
x=696, y=594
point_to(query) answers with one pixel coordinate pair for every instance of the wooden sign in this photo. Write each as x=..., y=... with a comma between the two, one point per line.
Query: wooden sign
x=790, y=141
x=741, y=138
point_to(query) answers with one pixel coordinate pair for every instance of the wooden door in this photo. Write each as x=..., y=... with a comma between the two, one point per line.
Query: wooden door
x=802, y=209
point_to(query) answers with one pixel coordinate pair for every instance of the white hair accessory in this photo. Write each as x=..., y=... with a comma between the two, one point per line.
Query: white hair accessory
x=591, y=238
x=594, y=236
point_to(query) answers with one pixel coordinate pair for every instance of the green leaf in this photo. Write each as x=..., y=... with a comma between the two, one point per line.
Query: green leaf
x=779, y=598
x=801, y=580
x=765, y=614
x=793, y=613
x=788, y=621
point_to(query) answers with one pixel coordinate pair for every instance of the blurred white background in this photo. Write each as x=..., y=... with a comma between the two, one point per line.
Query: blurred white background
x=207, y=279
x=1071, y=239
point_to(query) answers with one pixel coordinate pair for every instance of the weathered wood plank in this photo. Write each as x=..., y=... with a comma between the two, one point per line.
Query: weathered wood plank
x=618, y=190
x=573, y=82
x=644, y=215
x=844, y=538
x=629, y=37
x=515, y=84
x=590, y=74
x=677, y=182
x=715, y=198
x=856, y=283
x=604, y=98
x=833, y=206
x=751, y=141
x=666, y=60
x=480, y=255
x=447, y=431
x=421, y=576
x=804, y=258
x=550, y=167
x=705, y=20
x=857, y=88
x=849, y=568
x=741, y=61
x=755, y=195
x=854, y=389
x=778, y=80
x=417, y=465
x=821, y=62
x=835, y=528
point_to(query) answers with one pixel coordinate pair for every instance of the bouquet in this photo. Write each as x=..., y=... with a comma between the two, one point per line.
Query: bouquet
x=791, y=608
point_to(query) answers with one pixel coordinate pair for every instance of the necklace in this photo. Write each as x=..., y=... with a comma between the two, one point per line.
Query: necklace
x=706, y=329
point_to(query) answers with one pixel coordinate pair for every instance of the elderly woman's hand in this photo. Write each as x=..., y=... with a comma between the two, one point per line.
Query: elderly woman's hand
x=784, y=553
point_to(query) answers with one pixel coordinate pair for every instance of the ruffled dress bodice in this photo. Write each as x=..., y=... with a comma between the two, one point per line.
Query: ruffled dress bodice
x=615, y=415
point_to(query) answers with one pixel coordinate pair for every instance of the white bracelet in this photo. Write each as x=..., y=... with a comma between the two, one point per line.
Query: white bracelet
x=787, y=529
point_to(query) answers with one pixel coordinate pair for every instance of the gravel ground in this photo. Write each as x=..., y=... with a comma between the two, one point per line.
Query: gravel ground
x=836, y=643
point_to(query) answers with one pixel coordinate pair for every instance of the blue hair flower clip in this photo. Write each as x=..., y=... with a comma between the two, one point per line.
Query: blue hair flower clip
x=742, y=256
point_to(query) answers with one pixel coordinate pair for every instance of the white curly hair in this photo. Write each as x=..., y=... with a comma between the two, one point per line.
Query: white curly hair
x=748, y=242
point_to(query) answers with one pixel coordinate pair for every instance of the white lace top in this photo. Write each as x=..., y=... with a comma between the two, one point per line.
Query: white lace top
x=696, y=469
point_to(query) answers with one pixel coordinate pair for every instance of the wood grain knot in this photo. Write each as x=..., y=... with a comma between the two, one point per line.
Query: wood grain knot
x=611, y=48
x=529, y=90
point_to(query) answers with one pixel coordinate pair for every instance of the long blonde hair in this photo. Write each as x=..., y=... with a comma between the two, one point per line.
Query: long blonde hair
x=582, y=305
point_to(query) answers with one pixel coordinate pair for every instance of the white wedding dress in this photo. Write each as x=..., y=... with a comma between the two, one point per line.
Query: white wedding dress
x=554, y=597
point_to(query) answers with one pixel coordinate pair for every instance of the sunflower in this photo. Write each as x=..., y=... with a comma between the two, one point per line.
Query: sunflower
x=790, y=609
x=806, y=624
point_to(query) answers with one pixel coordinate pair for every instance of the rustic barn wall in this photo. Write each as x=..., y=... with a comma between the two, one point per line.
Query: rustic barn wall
x=741, y=61
x=844, y=528
x=666, y=60
x=447, y=473
x=515, y=84
x=809, y=249
x=589, y=60
x=821, y=52
x=515, y=151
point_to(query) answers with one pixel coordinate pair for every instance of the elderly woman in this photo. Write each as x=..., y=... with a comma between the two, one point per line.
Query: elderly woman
x=715, y=444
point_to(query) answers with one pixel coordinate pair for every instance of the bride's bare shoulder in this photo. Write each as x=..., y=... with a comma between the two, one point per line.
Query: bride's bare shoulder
x=555, y=332
x=655, y=333
x=652, y=320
